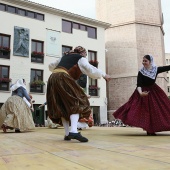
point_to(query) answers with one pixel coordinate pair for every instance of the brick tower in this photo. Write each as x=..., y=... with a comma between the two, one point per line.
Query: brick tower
x=136, y=30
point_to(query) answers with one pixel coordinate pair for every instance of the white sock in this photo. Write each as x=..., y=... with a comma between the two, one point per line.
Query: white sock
x=74, y=120
x=66, y=126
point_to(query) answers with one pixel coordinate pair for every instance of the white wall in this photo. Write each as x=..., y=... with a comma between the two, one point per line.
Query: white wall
x=20, y=67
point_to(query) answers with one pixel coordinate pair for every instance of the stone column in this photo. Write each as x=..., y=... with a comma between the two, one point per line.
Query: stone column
x=136, y=30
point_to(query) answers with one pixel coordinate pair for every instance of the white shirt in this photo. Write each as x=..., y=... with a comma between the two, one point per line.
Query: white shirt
x=85, y=67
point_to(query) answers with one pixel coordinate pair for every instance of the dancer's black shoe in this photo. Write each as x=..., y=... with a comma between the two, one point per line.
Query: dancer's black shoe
x=77, y=136
x=66, y=138
x=151, y=134
x=17, y=131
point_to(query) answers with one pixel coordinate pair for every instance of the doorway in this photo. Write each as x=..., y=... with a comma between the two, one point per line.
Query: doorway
x=38, y=115
x=96, y=115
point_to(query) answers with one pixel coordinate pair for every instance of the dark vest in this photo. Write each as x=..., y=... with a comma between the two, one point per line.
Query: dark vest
x=69, y=63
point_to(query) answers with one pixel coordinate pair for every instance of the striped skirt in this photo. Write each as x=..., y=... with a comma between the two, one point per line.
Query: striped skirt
x=65, y=97
x=16, y=114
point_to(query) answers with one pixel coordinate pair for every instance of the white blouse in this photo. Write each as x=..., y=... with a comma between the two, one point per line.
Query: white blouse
x=85, y=67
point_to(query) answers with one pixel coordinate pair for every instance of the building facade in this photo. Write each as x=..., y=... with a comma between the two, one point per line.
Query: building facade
x=136, y=30
x=34, y=35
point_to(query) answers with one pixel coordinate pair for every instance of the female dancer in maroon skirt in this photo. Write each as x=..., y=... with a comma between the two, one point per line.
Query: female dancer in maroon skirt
x=149, y=106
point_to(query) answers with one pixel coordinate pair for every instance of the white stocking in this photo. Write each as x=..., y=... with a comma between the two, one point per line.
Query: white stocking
x=74, y=120
x=66, y=126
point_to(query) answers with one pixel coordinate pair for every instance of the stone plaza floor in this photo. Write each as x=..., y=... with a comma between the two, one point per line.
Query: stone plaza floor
x=109, y=148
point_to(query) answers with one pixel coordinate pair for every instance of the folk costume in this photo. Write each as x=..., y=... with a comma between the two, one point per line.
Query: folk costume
x=151, y=112
x=66, y=101
x=14, y=113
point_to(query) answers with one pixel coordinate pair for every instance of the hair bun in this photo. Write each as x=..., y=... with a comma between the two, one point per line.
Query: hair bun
x=79, y=49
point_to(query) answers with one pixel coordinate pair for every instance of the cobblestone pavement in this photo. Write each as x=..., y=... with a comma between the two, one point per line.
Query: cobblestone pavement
x=120, y=148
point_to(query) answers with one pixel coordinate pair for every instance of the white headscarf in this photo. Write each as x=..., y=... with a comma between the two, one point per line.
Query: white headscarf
x=151, y=73
x=19, y=83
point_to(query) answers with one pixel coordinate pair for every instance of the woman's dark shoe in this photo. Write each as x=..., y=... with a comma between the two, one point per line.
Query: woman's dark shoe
x=151, y=134
x=4, y=128
x=17, y=131
x=77, y=136
x=66, y=138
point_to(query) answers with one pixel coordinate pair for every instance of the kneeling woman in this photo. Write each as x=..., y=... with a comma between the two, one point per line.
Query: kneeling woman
x=14, y=113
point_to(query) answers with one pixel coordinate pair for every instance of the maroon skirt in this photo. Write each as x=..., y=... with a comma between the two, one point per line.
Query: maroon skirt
x=152, y=112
